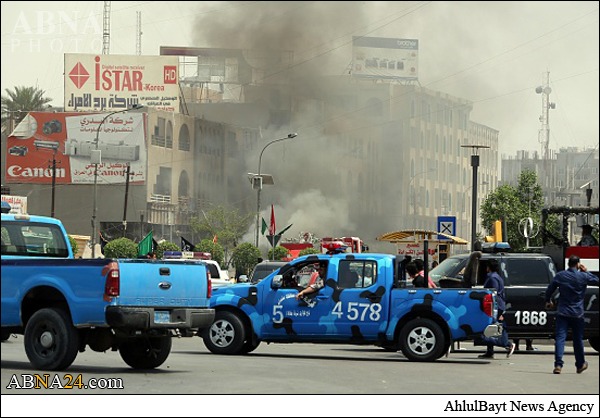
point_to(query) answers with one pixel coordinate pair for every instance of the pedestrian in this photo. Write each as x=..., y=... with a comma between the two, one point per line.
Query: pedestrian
x=413, y=273
x=494, y=280
x=571, y=284
x=587, y=239
x=421, y=267
x=528, y=344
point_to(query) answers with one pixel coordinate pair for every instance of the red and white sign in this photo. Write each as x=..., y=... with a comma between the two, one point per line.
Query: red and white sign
x=18, y=204
x=116, y=82
x=70, y=140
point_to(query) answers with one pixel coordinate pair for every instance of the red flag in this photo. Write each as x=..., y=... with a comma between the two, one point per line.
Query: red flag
x=272, y=227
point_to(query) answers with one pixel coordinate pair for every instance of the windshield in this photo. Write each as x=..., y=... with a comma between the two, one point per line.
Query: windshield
x=260, y=272
x=447, y=268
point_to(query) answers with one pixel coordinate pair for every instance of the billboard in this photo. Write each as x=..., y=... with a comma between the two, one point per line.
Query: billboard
x=70, y=140
x=18, y=204
x=385, y=58
x=116, y=82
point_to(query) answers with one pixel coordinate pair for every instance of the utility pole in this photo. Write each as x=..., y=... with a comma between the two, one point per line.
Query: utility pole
x=475, y=165
x=53, y=166
x=125, y=205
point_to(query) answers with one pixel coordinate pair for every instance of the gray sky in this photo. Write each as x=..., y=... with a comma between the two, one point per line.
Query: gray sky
x=492, y=53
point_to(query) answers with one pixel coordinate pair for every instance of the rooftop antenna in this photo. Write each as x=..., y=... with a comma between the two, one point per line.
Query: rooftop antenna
x=106, y=29
x=138, y=38
x=544, y=133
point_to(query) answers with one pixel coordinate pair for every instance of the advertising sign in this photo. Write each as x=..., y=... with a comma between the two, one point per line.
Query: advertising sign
x=116, y=82
x=385, y=58
x=18, y=204
x=70, y=140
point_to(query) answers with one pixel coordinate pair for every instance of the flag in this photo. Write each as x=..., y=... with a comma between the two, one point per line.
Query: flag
x=272, y=227
x=215, y=239
x=154, y=246
x=145, y=245
x=264, y=226
x=285, y=229
x=186, y=245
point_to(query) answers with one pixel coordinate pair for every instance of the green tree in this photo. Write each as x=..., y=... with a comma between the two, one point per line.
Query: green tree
x=307, y=251
x=512, y=205
x=121, y=248
x=16, y=104
x=278, y=253
x=245, y=256
x=228, y=226
x=215, y=249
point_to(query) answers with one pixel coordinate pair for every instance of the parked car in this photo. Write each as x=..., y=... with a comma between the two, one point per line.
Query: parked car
x=261, y=270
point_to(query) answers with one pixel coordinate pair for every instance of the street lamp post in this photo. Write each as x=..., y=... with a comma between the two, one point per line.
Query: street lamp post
x=260, y=183
x=474, y=164
x=464, y=206
x=96, y=155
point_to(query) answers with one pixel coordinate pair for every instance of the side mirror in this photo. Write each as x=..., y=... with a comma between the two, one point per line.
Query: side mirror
x=243, y=279
x=277, y=282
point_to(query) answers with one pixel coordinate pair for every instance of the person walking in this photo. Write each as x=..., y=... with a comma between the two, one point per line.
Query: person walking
x=571, y=284
x=493, y=280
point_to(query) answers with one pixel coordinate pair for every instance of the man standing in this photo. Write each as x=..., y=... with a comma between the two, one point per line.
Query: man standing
x=493, y=280
x=587, y=239
x=571, y=284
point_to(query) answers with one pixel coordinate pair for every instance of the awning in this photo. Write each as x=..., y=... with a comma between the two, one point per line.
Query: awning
x=411, y=235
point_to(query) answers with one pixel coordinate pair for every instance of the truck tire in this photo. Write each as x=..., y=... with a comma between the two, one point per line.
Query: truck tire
x=146, y=352
x=595, y=343
x=226, y=335
x=422, y=339
x=249, y=346
x=51, y=340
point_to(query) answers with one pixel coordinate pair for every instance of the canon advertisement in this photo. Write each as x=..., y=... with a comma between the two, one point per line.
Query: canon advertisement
x=71, y=140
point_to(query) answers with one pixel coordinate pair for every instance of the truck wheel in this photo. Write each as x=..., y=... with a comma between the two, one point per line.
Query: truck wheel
x=249, y=346
x=51, y=341
x=226, y=335
x=422, y=340
x=146, y=352
x=595, y=343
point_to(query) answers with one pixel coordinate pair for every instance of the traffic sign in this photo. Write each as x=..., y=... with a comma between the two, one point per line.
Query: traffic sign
x=446, y=225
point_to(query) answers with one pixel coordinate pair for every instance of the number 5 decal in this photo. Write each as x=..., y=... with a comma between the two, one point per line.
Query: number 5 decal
x=277, y=314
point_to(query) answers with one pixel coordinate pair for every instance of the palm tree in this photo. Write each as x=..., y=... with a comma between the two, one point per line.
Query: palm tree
x=17, y=103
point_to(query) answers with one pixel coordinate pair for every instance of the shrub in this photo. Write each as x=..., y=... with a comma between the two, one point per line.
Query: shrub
x=166, y=246
x=74, y=245
x=121, y=248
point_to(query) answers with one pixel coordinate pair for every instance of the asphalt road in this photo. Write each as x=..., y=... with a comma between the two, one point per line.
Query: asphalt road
x=315, y=369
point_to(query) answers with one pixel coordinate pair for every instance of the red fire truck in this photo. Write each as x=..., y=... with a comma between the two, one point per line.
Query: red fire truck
x=344, y=244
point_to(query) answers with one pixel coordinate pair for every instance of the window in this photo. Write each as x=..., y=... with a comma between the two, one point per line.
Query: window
x=357, y=274
x=33, y=239
x=526, y=272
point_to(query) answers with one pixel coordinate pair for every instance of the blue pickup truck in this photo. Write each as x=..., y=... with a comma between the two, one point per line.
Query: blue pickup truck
x=365, y=301
x=62, y=304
